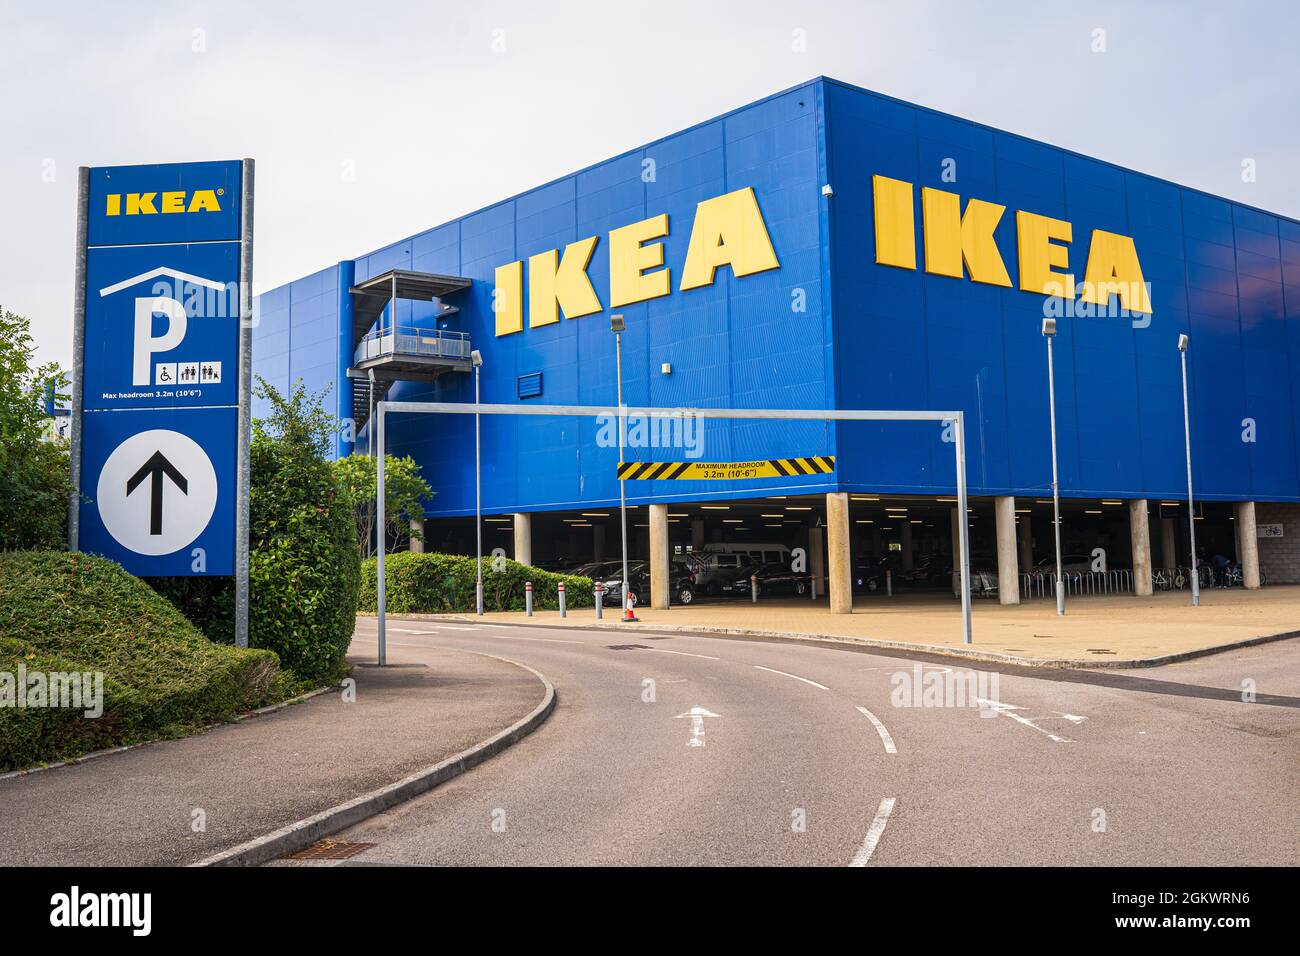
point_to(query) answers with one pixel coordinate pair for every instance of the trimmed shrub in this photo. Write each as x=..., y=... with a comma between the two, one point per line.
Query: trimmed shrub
x=432, y=583
x=304, y=569
x=162, y=678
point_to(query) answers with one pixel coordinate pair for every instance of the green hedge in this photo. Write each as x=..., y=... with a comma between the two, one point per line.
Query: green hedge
x=162, y=678
x=431, y=583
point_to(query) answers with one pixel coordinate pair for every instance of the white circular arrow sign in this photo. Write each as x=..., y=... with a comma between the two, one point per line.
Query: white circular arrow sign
x=157, y=492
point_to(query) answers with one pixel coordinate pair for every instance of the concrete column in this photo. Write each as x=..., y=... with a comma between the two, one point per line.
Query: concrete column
x=1140, y=539
x=598, y=542
x=906, y=536
x=697, y=534
x=817, y=558
x=1247, y=544
x=1025, y=529
x=523, y=524
x=659, y=584
x=1169, y=542
x=841, y=561
x=1004, y=517
x=417, y=528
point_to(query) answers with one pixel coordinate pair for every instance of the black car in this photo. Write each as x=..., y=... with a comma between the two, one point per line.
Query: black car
x=773, y=579
x=638, y=582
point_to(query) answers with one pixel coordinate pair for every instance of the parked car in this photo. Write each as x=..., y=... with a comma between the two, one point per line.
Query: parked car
x=773, y=579
x=1069, y=562
x=638, y=582
x=716, y=570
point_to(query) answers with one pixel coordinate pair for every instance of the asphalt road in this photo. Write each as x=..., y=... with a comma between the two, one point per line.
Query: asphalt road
x=806, y=757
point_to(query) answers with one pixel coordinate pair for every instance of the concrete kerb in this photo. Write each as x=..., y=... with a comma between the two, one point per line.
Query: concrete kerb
x=298, y=836
x=943, y=650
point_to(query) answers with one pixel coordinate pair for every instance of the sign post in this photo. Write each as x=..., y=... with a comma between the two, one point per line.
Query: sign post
x=162, y=343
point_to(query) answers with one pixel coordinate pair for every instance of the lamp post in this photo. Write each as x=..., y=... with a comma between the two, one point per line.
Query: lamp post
x=618, y=326
x=1049, y=333
x=1191, y=507
x=476, y=359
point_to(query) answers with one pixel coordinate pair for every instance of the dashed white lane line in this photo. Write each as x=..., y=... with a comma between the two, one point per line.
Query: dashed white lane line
x=874, y=833
x=784, y=674
x=664, y=650
x=885, y=738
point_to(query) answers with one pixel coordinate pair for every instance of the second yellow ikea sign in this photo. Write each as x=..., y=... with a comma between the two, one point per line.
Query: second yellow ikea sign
x=955, y=240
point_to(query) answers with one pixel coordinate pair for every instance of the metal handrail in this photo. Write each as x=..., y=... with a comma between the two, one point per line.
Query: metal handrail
x=409, y=340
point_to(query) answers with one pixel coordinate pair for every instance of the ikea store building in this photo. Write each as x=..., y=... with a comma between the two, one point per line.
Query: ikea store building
x=832, y=248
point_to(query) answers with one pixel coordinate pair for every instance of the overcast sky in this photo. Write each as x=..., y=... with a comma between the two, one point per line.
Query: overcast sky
x=437, y=109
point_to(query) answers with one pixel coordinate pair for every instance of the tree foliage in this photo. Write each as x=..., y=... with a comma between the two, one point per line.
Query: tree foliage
x=34, y=480
x=405, y=492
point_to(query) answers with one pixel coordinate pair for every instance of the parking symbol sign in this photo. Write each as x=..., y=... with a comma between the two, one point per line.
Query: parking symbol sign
x=156, y=435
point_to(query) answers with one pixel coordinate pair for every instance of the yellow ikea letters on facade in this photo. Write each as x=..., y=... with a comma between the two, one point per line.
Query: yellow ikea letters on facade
x=728, y=231
x=631, y=254
x=960, y=243
x=953, y=237
x=508, y=298
x=556, y=283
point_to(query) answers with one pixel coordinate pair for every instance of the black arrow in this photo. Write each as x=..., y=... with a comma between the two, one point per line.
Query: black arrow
x=155, y=468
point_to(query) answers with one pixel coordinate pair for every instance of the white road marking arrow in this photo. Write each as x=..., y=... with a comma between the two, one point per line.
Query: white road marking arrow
x=697, y=715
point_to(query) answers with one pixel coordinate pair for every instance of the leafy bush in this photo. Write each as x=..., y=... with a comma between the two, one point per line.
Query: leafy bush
x=162, y=678
x=431, y=583
x=405, y=492
x=34, y=480
x=304, y=569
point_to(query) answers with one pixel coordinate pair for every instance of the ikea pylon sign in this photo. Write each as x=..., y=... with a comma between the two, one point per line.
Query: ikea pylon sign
x=156, y=428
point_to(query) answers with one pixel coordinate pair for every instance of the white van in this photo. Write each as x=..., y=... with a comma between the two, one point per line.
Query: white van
x=760, y=552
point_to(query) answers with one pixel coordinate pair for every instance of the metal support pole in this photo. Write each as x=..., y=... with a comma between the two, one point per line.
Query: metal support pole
x=1056, y=488
x=379, y=533
x=889, y=582
x=1191, y=505
x=243, y=476
x=478, y=503
x=963, y=526
x=622, y=485
x=753, y=588
x=370, y=432
x=78, y=357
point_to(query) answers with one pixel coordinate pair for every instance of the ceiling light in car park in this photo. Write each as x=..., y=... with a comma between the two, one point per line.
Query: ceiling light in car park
x=496, y=519
x=733, y=520
x=594, y=514
x=771, y=516
x=582, y=524
x=945, y=499
x=798, y=508
x=915, y=521
x=1024, y=511
x=716, y=507
x=678, y=514
x=1112, y=502
x=865, y=497
x=864, y=521
x=1091, y=511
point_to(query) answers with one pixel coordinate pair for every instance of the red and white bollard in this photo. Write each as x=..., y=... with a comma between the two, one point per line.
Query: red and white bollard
x=600, y=600
x=563, y=611
x=528, y=598
x=629, y=603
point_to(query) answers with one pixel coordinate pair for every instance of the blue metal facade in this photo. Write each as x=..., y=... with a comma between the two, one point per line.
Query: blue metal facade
x=831, y=327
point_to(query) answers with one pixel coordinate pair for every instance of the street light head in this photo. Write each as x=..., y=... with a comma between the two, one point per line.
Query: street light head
x=1182, y=342
x=1049, y=327
x=616, y=323
x=476, y=358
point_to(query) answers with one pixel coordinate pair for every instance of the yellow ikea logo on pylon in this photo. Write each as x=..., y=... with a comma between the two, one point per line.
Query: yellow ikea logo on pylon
x=162, y=203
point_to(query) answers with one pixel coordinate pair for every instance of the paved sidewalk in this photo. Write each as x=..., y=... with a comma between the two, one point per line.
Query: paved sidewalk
x=136, y=807
x=1094, y=629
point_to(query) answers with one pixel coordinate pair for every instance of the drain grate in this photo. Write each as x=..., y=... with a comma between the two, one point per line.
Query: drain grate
x=626, y=647
x=330, y=850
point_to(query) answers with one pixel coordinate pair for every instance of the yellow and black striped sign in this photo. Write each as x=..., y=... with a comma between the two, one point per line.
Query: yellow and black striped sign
x=724, y=470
